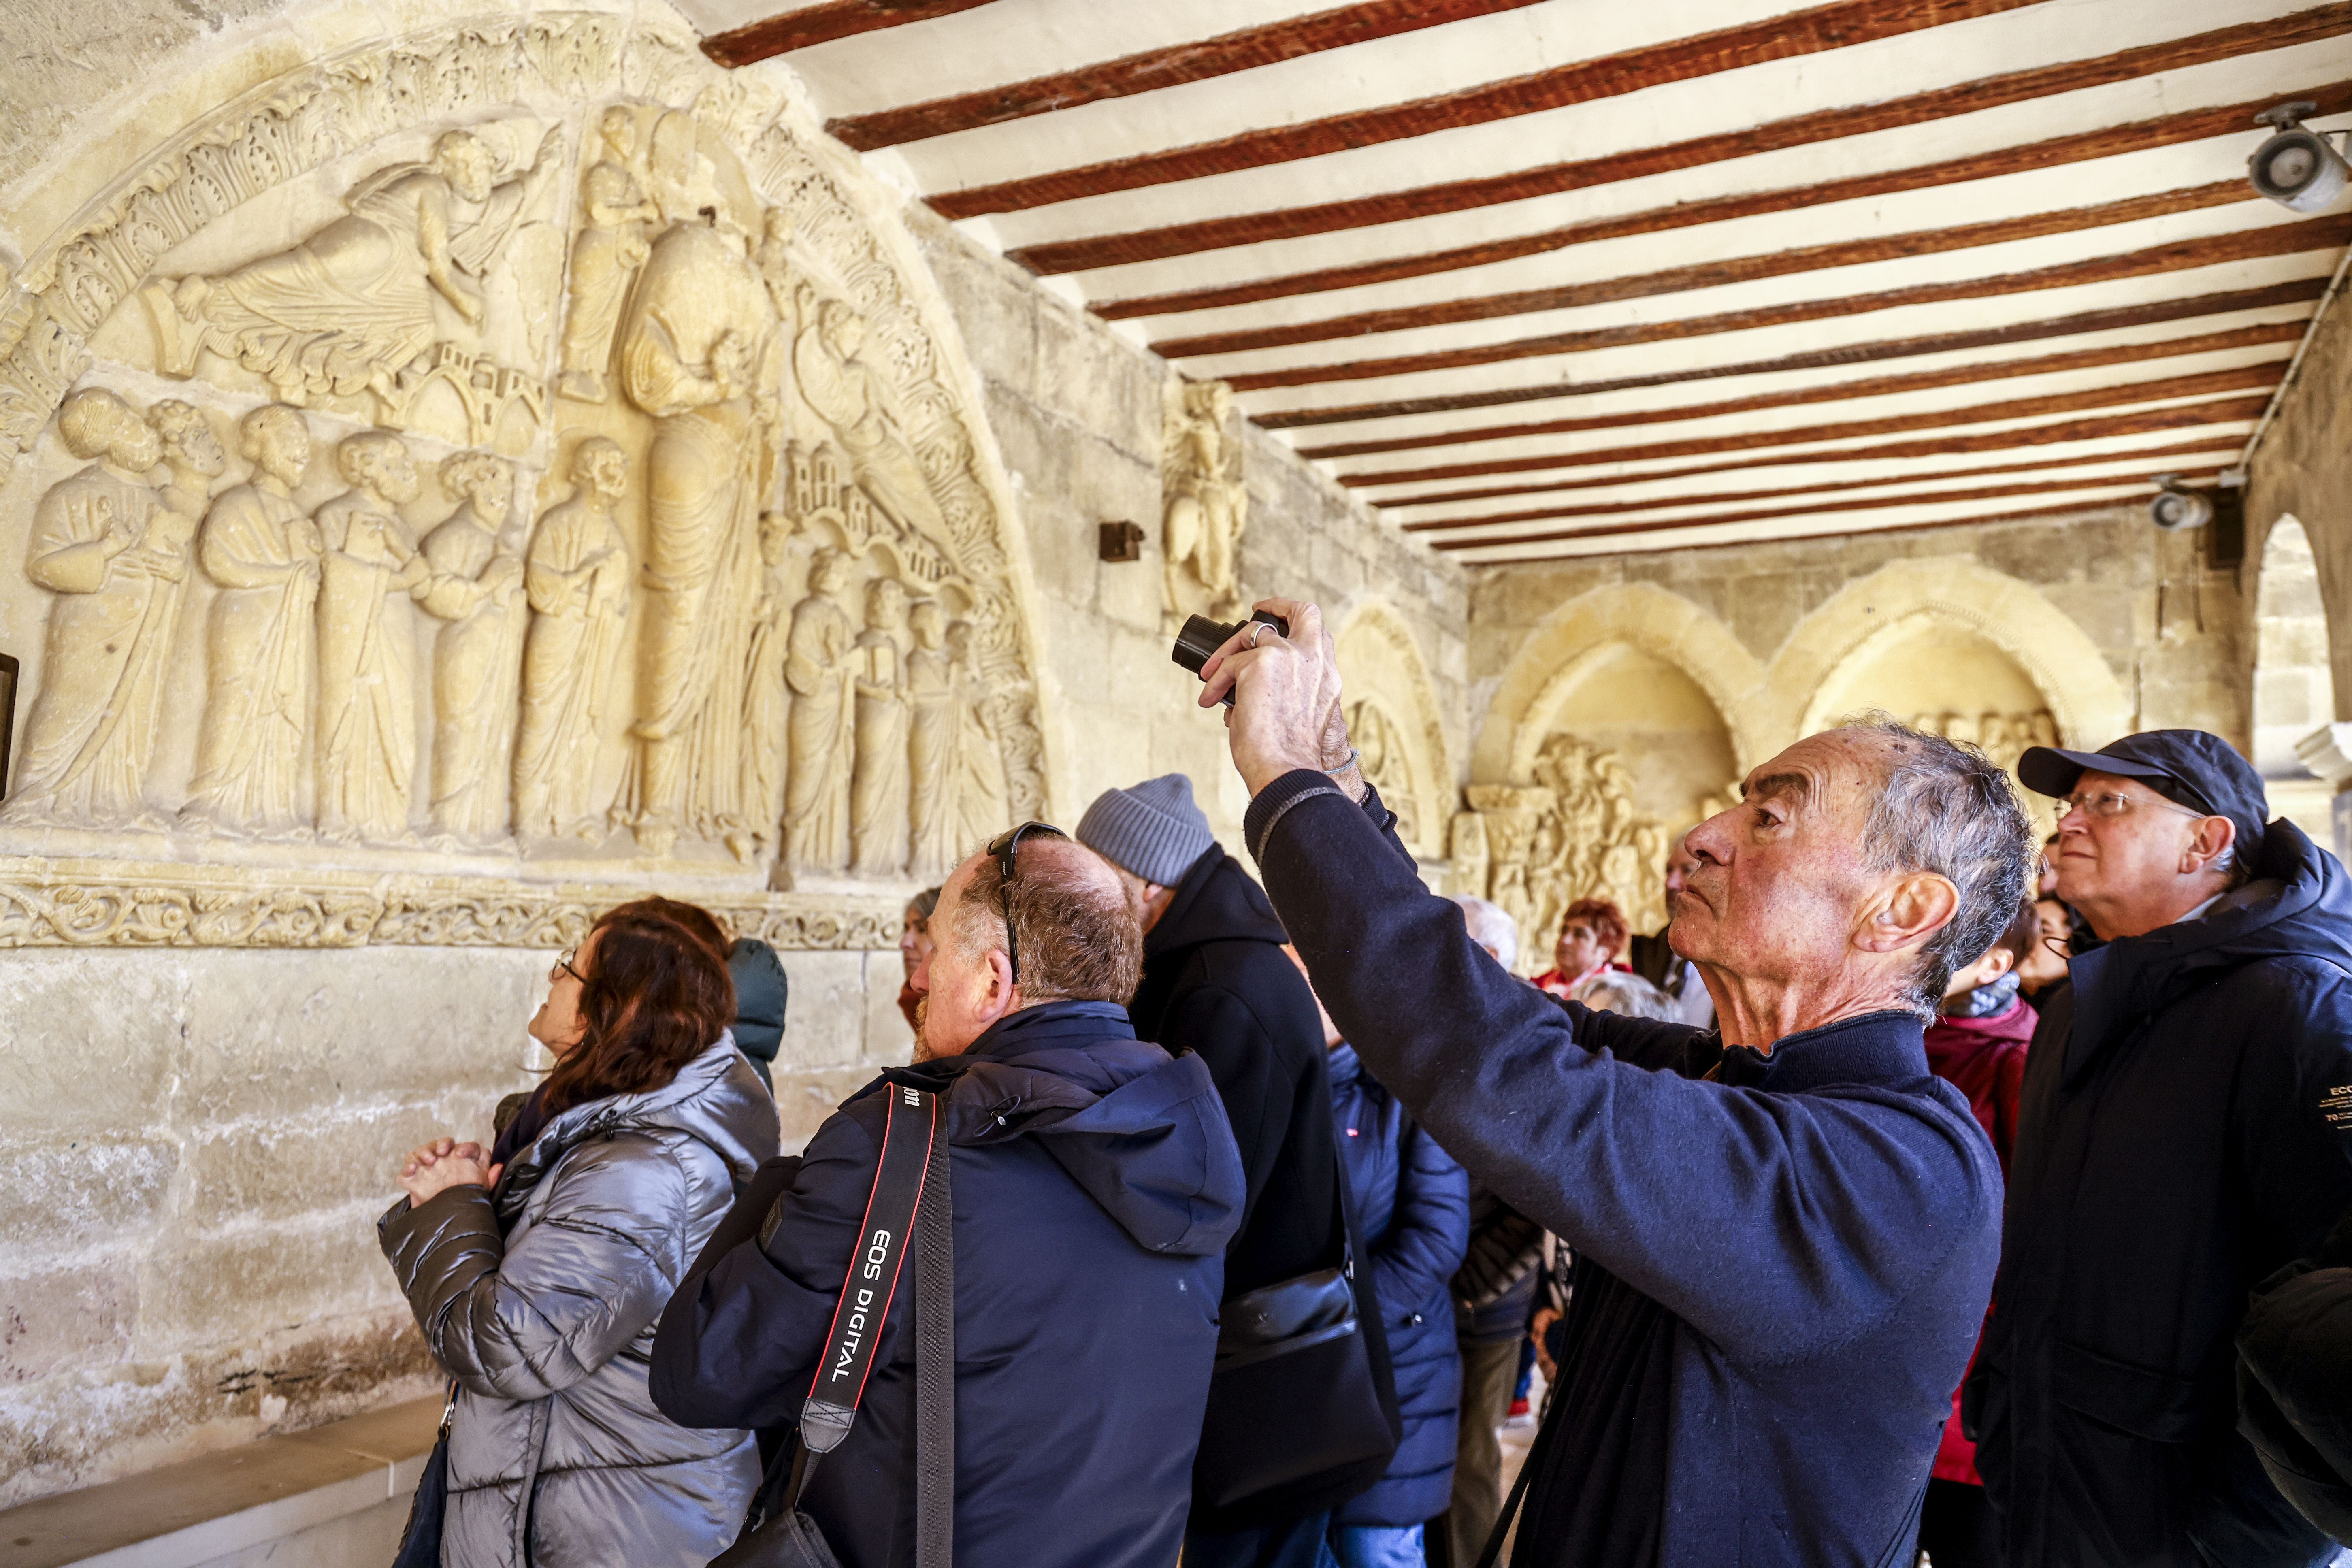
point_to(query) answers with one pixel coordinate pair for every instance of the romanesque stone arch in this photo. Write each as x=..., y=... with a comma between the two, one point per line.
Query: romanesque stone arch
x=1392, y=709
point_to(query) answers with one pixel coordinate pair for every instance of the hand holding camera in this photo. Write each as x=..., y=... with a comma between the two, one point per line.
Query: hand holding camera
x=1278, y=676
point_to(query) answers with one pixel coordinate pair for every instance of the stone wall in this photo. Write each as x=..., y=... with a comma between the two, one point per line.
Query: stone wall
x=1620, y=697
x=213, y=1048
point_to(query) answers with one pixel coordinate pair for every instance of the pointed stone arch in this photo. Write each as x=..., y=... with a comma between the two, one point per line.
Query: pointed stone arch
x=2085, y=699
x=1642, y=615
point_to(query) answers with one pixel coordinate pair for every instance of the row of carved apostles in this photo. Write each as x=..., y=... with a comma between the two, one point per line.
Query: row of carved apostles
x=853, y=744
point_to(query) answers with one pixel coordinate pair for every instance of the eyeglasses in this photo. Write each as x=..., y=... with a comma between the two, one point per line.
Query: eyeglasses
x=1002, y=849
x=2106, y=804
x=563, y=966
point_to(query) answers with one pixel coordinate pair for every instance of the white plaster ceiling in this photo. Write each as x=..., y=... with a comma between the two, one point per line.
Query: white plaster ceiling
x=2125, y=313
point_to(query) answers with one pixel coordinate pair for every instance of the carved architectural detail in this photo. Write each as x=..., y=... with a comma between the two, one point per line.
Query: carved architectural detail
x=1203, y=502
x=1381, y=746
x=1575, y=833
x=428, y=240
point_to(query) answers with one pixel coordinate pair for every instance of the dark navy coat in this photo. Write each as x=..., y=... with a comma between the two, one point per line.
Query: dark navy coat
x=1809, y=1241
x=1095, y=1185
x=2184, y=1132
x=1413, y=1205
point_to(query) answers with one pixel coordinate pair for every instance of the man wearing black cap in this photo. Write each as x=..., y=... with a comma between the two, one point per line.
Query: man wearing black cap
x=2175, y=1146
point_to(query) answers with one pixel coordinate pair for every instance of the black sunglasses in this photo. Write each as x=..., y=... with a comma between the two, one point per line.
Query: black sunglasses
x=1002, y=849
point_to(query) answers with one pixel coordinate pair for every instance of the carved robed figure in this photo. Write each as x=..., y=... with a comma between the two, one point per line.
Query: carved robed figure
x=577, y=577
x=818, y=667
x=367, y=643
x=476, y=586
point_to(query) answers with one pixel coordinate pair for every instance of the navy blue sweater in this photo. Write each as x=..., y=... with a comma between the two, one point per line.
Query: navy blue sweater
x=1805, y=1246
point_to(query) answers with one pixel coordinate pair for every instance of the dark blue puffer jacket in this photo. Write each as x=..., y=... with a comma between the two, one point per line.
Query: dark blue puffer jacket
x=1095, y=1185
x=1412, y=1209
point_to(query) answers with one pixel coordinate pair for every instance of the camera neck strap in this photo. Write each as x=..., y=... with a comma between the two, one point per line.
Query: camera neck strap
x=909, y=1132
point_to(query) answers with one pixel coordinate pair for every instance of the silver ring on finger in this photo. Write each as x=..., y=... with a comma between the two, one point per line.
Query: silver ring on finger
x=1257, y=630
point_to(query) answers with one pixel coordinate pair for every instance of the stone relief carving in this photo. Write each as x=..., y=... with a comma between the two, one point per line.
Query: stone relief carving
x=2003, y=738
x=577, y=579
x=673, y=663
x=1575, y=833
x=1203, y=503
x=1381, y=748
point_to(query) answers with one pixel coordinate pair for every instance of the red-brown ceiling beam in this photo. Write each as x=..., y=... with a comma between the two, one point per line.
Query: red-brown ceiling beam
x=1220, y=56
x=822, y=24
x=2231, y=302
x=2139, y=422
x=2194, y=126
x=1839, y=391
x=2319, y=23
x=2028, y=514
x=2254, y=376
x=1715, y=274
x=1871, y=503
x=2245, y=245
x=1832, y=26
x=2155, y=458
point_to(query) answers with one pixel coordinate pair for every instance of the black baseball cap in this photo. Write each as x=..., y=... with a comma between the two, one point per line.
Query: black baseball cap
x=2189, y=767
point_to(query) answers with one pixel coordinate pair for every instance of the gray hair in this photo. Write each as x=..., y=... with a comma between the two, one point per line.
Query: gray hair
x=1491, y=927
x=1629, y=994
x=1945, y=807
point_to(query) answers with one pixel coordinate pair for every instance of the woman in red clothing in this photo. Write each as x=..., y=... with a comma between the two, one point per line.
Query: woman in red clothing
x=1978, y=1045
x=1592, y=935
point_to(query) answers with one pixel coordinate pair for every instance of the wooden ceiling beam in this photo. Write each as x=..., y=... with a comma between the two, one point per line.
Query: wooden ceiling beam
x=1873, y=503
x=2319, y=23
x=1841, y=390
x=2231, y=302
x=822, y=24
x=2158, y=458
x=2196, y=125
x=1715, y=274
x=2261, y=377
x=2139, y=422
x=2027, y=514
x=2243, y=245
x=1835, y=26
x=1246, y=49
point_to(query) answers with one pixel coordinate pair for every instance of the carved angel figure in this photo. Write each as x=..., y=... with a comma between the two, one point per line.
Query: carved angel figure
x=253, y=756
x=477, y=588
x=695, y=354
x=578, y=582
x=367, y=643
x=933, y=730
x=347, y=308
x=605, y=258
x=877, y=800
x=855, y=401
x=1205, y=504
x=818, y=667
x=104, y=542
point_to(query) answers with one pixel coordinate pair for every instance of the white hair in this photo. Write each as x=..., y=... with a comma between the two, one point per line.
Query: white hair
x=1491, y=927
x=1612, y=991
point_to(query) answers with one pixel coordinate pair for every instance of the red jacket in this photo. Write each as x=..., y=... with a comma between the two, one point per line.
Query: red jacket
x=1984, y=1058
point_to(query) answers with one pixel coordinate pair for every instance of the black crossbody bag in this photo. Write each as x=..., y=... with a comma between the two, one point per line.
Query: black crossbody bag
x=910, y=1196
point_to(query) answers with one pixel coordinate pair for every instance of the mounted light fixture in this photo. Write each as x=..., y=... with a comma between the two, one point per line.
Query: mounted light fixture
x=2296, y=168
x=2178, y=509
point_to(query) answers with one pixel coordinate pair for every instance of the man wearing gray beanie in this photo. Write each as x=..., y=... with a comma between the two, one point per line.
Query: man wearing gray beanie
x=1216, y=981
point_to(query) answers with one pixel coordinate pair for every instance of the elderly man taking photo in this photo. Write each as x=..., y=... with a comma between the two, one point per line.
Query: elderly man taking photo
x=2183, y=1132
x=1784, y=1240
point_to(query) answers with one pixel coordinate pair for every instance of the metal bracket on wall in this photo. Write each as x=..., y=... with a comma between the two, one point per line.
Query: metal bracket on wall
x=1121, y=542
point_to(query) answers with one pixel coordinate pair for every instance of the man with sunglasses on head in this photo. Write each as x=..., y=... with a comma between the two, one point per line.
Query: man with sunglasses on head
x=2181, y=1135
x=1095, y=1183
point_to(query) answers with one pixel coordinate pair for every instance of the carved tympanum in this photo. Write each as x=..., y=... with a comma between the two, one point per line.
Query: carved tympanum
x=765, y=628
x=1577, y=832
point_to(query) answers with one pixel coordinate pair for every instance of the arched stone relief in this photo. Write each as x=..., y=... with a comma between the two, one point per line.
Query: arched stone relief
x=537, y=393
x=2294, y=678
x=1393, y=716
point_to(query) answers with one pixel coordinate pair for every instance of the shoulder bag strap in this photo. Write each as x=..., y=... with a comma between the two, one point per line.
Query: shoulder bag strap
x=909, y=1134
x=935, y=1366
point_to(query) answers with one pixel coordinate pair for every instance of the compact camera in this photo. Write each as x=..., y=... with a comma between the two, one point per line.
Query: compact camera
x=1202, y=637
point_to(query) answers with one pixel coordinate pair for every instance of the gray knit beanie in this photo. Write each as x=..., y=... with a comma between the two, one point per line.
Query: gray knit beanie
x=1153, y=830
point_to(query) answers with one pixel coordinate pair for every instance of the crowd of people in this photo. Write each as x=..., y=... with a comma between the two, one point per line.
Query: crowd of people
x=1919, y=1189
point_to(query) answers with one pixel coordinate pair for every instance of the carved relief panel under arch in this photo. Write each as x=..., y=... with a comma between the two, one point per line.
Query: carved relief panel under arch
x=1392, y=717
x=509, y=459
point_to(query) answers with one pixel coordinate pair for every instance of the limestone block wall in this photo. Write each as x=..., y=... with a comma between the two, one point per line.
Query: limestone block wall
x=1621, y=698
x=2303, y=470
x=216, y=1044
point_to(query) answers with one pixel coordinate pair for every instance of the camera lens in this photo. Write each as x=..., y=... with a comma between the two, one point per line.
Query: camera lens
x=1202, y=637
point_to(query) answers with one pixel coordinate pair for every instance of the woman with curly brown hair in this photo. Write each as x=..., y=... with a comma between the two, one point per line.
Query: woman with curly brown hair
x=537, y=1269
x=1592, y=935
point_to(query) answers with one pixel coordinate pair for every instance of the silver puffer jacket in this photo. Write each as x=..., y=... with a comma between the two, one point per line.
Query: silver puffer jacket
x=544, y=1308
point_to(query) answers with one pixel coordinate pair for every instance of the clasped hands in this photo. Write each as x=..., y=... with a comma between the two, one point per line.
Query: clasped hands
x=435, y=1167
x=1285, y=714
